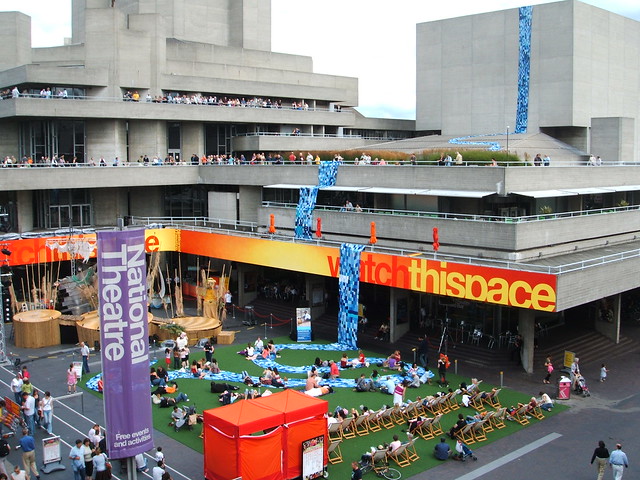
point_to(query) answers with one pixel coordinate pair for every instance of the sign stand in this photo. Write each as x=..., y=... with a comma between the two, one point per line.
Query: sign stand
x=51, y=453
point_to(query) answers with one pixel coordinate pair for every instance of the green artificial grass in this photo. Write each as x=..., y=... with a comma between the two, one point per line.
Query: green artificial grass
x=200, y=396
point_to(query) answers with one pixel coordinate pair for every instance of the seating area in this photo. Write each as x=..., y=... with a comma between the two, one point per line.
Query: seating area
x=423, y=418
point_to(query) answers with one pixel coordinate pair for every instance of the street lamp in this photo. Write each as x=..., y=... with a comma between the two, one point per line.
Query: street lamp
x=507, y=142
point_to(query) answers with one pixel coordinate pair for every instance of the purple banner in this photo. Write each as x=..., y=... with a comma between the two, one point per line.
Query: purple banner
x=124, y=336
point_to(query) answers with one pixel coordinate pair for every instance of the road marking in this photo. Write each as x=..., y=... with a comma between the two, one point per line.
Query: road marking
x=489, y=467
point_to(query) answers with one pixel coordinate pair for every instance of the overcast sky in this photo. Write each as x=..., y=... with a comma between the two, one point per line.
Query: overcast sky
x=373, y=40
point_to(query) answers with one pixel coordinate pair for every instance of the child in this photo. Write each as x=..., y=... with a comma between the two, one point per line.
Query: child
x=167, y=357
x=603, y=373
x=159, y=455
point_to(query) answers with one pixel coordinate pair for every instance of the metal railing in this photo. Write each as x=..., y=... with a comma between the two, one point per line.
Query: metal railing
x=165, y=101
x=458, y=216
x=196, y=223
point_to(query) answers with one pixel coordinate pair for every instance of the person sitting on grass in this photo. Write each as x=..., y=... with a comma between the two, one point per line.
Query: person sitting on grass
x=545, y=402
x=344, y=361
x=267, y=376
x=335, y=371
x=375, y=378
x=387, y=385
x=363, y=384
x=276, y=381
x=442, y=450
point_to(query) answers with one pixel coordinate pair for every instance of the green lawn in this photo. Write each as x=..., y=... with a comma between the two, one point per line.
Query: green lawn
x=199, y=394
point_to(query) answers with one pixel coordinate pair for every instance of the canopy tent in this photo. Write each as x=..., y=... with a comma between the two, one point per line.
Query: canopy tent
x=241, y=439
x=304, y=417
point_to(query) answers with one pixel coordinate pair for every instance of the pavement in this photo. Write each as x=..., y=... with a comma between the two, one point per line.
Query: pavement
x=557, y=448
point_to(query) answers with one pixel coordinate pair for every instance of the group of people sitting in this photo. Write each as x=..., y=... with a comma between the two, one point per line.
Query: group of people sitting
x=259, y=348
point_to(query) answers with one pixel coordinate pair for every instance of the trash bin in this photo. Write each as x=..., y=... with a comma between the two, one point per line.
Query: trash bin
x=249, y=315
x=564, y=388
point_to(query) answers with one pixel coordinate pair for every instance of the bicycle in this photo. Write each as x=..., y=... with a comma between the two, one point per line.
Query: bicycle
x=383, y=471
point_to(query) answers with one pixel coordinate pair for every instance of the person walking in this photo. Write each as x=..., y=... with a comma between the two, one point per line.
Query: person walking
x=47, y=412
x=601, y=456
x=548, y=365
x=77, y=460
x=28, y=446
x=85, y=351
x=618, y=461
x=72, y=380
x=29, y=412
x=423, y=351
x=16, y=388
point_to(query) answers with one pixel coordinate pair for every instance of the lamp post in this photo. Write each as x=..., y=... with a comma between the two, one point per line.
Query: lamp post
x=507, y=142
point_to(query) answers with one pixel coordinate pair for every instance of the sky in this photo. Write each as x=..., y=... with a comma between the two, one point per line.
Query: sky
x=372, y=40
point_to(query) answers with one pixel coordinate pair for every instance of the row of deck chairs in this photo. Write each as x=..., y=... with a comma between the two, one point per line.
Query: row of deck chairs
x=380, y=458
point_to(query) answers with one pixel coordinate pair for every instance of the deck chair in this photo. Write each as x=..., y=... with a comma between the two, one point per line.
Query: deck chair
x=334, y=431
x=443, y=404
x=400, y=456
x=452, y=403
x=537, y=413
x=488, y=424
x=492, y=398
x=373, y=421
x=465, y=434
x=360, y=425
x=429, y=406
x=436, y=429
x=396, y=414
x=497, y=419
x=478, y=431
x=346, y=428
x=386, y=420
x=475, y=401
x=334, y=453
x=410, y=410
x=424, y=430
x=520, y=415
x=379, y=461
x=411, y=448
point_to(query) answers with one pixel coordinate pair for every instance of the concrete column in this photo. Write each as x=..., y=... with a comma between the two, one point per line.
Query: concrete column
x=147, y=137
x=250, y=201
x=244, y=298
x=608, y=322
x=106, y=138
x=24, y=210
x=392, y=315
x=192, y=139
x=527, y=330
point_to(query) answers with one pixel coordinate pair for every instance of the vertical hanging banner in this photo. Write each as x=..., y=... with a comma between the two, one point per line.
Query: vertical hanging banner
x=124, y=334
x=349, y=291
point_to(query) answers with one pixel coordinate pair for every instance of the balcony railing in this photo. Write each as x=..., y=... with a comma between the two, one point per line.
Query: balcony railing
x=459, y=216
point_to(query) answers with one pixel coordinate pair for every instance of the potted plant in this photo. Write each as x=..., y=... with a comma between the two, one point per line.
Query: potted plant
x=545, y=212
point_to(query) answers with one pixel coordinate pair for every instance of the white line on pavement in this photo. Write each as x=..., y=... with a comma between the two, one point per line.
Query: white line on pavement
x=509, y=457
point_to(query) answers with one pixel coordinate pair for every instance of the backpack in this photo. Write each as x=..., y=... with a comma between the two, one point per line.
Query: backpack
x=4, y=448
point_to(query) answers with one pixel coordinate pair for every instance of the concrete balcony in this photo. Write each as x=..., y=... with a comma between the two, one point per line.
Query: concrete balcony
x=114, y=108
x=506, y=239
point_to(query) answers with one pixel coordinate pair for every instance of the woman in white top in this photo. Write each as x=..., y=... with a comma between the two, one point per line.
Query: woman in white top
x=46, y=405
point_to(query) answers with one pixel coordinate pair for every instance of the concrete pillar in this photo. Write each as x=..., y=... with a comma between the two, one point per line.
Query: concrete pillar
x=106, y=138
x=250, y=201
x=246, y=275
x=24, y=210
x=608, y=322
x=527, y=330
x=192, y=139
x=147, y=137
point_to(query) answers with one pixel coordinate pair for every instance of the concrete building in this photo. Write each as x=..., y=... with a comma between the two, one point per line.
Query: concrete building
x=520, y=246
x=567, y=69
x=168, y=59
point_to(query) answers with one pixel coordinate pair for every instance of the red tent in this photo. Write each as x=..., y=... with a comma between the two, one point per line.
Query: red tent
x=304, y=417
x=261, y=439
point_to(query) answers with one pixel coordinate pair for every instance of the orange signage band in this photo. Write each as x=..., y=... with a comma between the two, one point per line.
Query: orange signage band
x=499, y=286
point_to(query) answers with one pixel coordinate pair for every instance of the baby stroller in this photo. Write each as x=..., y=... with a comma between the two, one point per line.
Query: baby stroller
x=464, y=452
x=189, y=418
x=581, y=387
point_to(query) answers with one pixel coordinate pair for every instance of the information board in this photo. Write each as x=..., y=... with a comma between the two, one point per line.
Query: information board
x=313, y=458
x=77, y=367
x=51, y=450
x=303, y=321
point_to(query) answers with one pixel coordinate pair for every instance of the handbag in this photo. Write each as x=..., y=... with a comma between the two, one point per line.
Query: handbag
x=108, y=467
